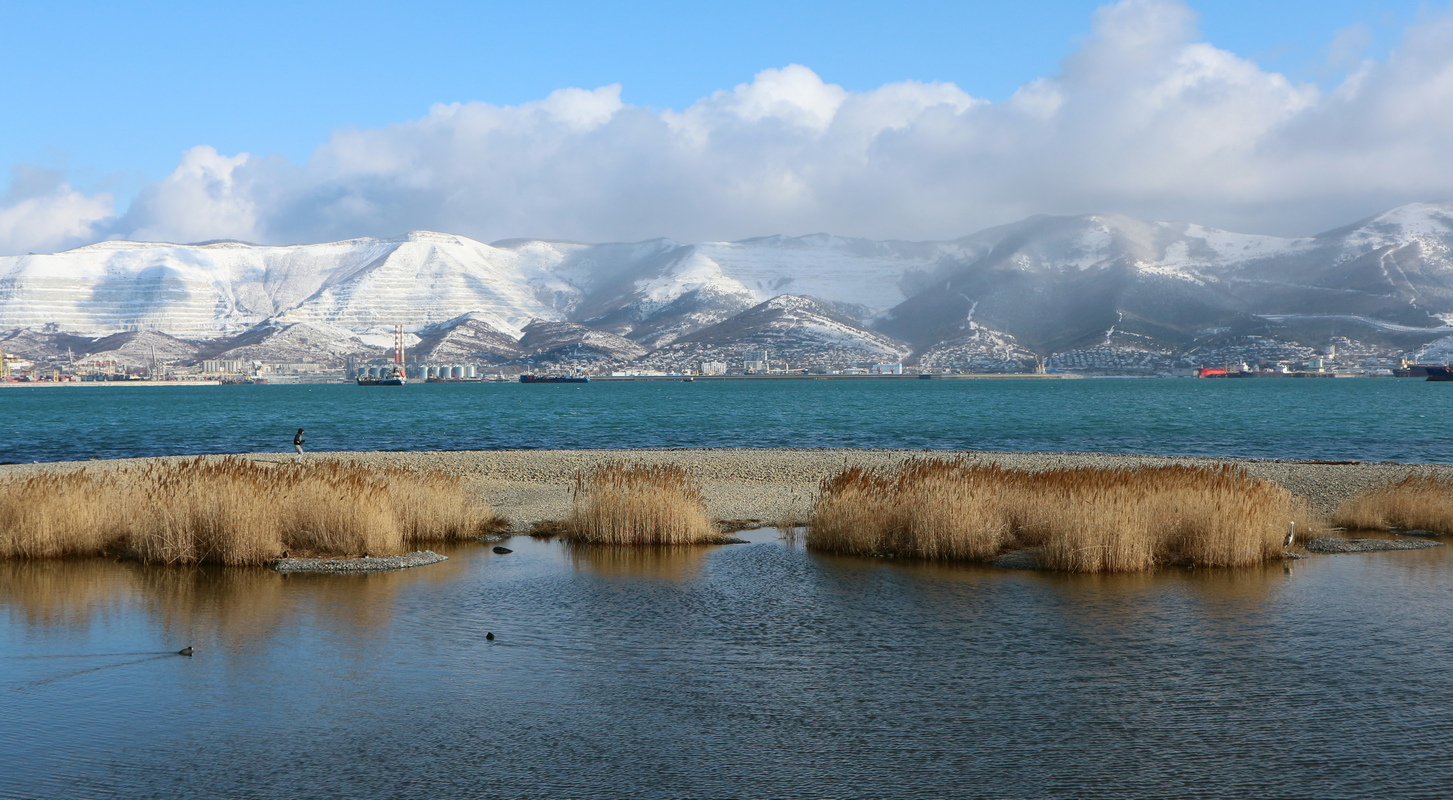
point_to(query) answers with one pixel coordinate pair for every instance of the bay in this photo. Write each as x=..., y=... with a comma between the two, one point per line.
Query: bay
x=1367, y=419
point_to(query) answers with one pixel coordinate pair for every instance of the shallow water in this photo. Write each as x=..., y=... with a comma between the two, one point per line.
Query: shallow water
x=756, y=670
x=1370, y=419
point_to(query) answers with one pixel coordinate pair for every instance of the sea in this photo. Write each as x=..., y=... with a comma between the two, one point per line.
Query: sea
x=1376, y=419
x=753, y=670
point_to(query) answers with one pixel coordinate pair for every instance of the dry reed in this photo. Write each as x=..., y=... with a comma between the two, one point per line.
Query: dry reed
x=233, y=511
x=1080, y=520
x=1417, y=502
x=637, y=504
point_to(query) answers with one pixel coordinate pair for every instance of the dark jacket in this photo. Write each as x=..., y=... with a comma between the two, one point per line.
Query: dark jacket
x=298, y=439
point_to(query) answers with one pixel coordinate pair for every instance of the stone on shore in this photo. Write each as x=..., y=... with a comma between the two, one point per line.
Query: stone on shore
x=1331, y=544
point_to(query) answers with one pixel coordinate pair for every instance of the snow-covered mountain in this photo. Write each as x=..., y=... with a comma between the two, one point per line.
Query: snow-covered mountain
x=1060, y=283
x=658, y=288
x=465, y=338
x=795, y=331
x=1035, y=287
x=226, y=287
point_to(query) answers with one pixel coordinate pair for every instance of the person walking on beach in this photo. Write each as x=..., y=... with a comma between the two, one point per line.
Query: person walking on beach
x=298, y=444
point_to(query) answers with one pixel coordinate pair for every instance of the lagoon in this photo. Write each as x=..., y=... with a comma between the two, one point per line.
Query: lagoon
x=754, y=670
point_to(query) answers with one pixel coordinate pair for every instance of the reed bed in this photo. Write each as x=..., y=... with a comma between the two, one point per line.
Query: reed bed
x=637, y=504
x=233, y=511
x=1080, y=520
x=1417, y=502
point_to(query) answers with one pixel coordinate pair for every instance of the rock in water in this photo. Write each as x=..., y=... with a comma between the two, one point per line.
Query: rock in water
x=1019, y=559
x=503, y=550
x=416, y=559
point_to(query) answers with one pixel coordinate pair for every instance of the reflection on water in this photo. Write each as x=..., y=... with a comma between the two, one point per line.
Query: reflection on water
x=658, y=563
x=232, y=604
x=735, y=671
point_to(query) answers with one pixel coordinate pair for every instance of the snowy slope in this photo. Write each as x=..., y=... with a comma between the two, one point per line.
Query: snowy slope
x=1059, y=283
x=214, y=288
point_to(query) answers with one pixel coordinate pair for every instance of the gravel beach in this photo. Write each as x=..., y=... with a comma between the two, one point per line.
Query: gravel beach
x=775, y=485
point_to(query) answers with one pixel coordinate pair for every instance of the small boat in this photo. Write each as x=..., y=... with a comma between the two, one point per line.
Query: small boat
x=688, y=380
x=554, y=379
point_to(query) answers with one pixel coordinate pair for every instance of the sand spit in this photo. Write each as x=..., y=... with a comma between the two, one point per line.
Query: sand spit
x=779, y=485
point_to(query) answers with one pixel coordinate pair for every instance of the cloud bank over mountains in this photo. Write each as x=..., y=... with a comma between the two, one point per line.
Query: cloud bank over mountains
x=1144, y=119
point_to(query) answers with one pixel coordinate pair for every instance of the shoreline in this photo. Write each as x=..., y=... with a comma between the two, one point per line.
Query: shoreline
x=766, y=485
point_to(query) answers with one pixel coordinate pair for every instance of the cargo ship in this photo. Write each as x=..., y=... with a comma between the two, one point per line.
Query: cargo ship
x=1221, y=372
x=1439, y=373
x=1408, y=369
x=554, y=379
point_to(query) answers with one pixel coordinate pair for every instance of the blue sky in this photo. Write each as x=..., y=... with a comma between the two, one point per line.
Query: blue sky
x=115, y=92
x=256, y=102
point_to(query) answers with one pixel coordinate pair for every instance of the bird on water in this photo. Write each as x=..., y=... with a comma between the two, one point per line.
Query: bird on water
x=185, y=651
x=489, y=637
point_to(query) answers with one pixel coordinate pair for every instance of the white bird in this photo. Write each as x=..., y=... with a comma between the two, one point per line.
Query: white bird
x=1291, y=534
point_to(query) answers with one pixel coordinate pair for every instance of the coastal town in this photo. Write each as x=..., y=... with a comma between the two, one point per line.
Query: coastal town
x=151, y=356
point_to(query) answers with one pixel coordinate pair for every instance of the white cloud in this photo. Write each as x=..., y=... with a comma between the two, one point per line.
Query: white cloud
x=41, y=213
x=208, y=196
x=1144, y=119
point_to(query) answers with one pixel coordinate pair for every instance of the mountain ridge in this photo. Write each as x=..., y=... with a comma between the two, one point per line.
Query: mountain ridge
x=1015, y=292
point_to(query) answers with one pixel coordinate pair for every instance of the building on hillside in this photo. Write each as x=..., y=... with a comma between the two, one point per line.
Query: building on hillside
x=887, y=369
x=713, y=368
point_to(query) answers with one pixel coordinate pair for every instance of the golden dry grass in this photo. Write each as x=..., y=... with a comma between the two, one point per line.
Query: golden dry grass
x=233, y=511
x=638, y=504
x=1081, y=520
x=1417, y=502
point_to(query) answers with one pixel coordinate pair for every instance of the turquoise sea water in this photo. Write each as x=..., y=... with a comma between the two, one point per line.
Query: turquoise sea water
x=1369, y=419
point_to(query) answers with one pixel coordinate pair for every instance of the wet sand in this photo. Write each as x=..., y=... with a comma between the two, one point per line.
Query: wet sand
x=776, y=485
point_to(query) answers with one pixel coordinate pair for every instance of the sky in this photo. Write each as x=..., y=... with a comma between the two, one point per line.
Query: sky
x=287, y=122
